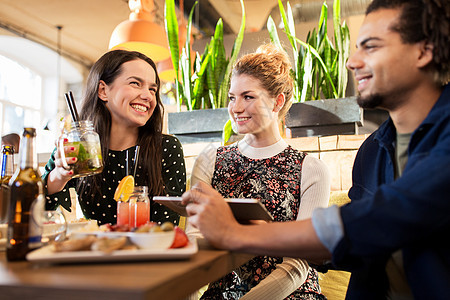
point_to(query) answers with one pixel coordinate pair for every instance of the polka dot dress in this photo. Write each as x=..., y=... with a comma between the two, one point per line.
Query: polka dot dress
x=103, y=207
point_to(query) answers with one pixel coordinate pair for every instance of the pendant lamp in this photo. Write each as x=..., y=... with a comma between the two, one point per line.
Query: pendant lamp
x=166, y=71
x=140, y=33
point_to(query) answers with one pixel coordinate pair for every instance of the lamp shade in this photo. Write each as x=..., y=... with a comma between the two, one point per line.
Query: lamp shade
x=166, y=71
x=143, y=36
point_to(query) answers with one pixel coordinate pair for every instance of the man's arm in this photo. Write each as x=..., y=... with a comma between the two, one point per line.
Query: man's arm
x=209, y=212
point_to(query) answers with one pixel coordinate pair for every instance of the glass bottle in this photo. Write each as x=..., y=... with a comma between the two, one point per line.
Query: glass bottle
x=24, y=234
x=86, y=144
x=6, y=174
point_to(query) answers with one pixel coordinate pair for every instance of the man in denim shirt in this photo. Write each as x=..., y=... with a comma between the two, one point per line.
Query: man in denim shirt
x=393, y=235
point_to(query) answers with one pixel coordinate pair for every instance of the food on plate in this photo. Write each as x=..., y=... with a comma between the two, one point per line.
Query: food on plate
x=180, y=239
x=154, y=227
x=148, y=236
x=114, y=228
x=78, y=244
x=124, y=189
x=108, y=245
x=167, y=226
x=80, y=220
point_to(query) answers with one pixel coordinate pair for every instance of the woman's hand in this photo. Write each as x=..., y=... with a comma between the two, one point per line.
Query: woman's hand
x=59, y=176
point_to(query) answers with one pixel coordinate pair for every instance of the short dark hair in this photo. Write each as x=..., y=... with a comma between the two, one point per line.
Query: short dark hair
x=423, y=20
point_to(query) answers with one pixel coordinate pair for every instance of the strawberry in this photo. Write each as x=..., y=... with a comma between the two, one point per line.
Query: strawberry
x=180, y=240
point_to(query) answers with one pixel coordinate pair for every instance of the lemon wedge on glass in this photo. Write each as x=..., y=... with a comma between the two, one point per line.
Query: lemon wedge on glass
x=124, y=189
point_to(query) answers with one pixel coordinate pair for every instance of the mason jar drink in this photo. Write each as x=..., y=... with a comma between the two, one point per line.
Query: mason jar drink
x=135, y=211
x=84, y=144
x=139, y=206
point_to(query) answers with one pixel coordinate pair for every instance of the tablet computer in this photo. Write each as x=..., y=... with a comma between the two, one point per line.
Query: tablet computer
x=243, y=209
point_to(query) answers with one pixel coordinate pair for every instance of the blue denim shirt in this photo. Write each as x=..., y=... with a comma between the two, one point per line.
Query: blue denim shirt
x=411, y=213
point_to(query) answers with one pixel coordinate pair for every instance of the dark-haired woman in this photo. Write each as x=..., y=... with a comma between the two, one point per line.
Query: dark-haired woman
x=122, y=100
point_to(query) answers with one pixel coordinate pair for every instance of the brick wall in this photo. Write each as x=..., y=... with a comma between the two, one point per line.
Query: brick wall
x=337, y=151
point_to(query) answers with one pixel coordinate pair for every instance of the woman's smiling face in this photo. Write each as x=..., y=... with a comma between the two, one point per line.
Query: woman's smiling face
x=251, y=106
x=131, y=97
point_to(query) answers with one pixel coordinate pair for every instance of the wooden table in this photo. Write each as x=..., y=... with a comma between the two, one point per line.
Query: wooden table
x=128, y=280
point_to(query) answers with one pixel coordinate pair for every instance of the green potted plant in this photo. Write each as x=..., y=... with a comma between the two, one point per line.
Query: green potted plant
x=319, y=72
x=202, y=81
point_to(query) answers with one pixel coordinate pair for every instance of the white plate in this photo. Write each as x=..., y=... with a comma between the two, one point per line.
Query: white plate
x=46, y=254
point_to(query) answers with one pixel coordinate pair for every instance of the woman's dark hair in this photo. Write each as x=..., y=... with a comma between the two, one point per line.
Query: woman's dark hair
x=108, y=68
x=423, y=20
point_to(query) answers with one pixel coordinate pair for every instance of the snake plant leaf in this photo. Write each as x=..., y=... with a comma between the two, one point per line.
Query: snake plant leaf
x=217, y=66
x=223, y=91
x=314, y=52
x=323, y=28
x=272, y=28
x=186, y=78
x=324, y=61
x=199, y=82
x=345, y=51
x=341, y=34
x=307, y=75
x=287, y=22
x=171, y=26
x=181, y=60
x=211, y=83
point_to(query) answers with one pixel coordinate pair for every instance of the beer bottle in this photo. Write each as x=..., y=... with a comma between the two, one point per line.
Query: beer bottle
x=6, y=174
x=24, y=234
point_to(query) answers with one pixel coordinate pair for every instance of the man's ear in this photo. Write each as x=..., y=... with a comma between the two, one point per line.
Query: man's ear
x=425, y=54
x=102, y=90
x=279, y=102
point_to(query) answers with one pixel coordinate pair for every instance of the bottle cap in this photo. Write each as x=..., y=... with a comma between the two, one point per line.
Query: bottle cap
x=29, y=131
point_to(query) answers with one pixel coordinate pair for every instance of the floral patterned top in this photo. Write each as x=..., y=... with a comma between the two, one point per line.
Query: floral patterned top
x=275, y=181
x=103, y=208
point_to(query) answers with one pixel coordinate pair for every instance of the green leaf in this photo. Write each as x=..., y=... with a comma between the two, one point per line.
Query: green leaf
x=314, y=52
x=307, y=76
x=322, y=33
x=272, y=28
x=171, y=26
x=287, y=20
x=223, y=91
x=227, y=132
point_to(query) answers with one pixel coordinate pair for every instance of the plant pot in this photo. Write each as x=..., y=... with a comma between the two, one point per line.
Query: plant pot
x=205, y=125
x=324, y=117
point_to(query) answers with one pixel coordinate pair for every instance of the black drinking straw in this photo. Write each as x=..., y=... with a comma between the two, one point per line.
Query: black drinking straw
x=71, y=105
x=127, y=158
x=136, y=157
x=72, y=100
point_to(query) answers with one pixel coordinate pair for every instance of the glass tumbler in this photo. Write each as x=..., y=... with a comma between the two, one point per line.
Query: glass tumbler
x=85, y=144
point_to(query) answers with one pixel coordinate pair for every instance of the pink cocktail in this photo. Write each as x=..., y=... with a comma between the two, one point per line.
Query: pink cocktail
x=123, y=213
x=136, y=211
x=139, y=213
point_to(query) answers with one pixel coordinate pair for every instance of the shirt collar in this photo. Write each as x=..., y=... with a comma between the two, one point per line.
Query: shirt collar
x=386, y=133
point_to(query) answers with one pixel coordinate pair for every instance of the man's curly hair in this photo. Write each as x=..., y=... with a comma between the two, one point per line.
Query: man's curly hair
x=423, y=20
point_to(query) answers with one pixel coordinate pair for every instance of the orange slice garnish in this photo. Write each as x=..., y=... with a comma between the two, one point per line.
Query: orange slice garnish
x=124, y=189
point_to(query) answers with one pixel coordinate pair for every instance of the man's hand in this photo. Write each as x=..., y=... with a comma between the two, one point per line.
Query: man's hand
x=208, y=211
